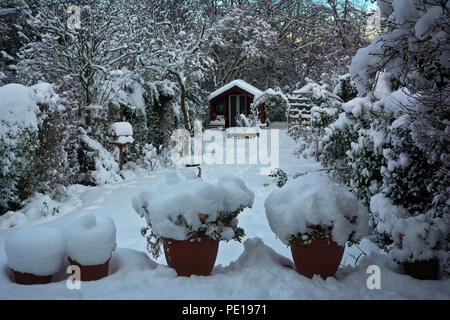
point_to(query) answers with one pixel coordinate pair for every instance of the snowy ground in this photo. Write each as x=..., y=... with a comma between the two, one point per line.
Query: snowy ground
x=260, y=268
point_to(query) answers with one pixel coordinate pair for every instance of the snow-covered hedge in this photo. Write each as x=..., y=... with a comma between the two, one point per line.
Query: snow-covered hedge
x=180, y=208
x=37, y=250
x=90, y=239
x=314, y=206
x=18, y=144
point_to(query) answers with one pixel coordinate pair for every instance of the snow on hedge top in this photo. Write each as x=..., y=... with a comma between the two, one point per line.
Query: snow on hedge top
x=38, y=250
x=164, y=201
x=122, y=129
x=18, y=105
x=241, y=84
x=314, y=199
x=90, y=239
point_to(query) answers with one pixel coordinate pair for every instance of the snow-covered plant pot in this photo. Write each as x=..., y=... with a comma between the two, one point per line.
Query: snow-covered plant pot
x=89, y=243
x=34, y=254
x=316, y=217
x=189, y=217
x=196, y=255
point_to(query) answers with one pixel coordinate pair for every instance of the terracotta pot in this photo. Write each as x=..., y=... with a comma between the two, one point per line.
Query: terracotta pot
x=92, y=273
x=191, y=257
x=319, y=257
x=29, y=278
x=423, y=270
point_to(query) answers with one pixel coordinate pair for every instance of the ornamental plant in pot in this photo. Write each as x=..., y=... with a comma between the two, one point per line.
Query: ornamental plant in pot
x=189, y=217
x=316, y=217
x=34, y=254
x=89, y=243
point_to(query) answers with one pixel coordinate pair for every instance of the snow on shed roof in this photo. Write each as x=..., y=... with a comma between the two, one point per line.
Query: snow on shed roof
x=241, y=84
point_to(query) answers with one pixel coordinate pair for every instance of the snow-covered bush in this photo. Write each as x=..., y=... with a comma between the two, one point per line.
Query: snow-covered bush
x=313, y=206
x=279, y=177
x=57, y=164
x=90, y=239
x=18, y=145
x=180, y=209
x=415, y=50
x=412, y=226
x=322, y=110
x=37, y=250
x=100, y=167
x=151, y=110
x=345, y=88
x=242, y=121
x=353, y=146
x=275, y=106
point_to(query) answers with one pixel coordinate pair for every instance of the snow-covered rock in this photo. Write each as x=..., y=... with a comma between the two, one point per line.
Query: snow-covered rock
x=90, y=239
x=37, y=250
x=314, y=199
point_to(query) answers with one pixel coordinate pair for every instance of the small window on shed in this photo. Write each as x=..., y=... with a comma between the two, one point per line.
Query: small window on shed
x=218, y=106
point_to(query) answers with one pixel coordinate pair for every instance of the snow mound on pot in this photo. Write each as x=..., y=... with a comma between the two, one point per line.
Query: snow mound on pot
x=236, y=194
x=164, y=201
x=38, y=250
x=314, y=199
x=90, y=239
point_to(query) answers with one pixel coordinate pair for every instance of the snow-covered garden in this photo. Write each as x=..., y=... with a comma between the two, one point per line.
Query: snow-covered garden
x=248, y=152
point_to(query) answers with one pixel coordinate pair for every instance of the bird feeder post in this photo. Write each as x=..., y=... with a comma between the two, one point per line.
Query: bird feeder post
x=122, y=133
x=121, y=146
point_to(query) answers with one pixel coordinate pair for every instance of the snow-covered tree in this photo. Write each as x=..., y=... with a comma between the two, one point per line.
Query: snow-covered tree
x=235, y=39
x=414, y=48
x=84, y=55
x=175, y=51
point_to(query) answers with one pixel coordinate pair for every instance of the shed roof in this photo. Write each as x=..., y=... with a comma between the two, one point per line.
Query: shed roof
x=235, y=83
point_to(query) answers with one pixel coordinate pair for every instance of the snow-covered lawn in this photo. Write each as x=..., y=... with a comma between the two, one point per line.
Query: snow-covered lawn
x=260, y=268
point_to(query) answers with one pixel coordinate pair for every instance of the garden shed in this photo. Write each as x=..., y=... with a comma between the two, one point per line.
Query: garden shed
x=234, y=98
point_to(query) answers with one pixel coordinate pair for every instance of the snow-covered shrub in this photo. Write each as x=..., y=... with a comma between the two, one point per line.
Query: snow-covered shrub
x=322, y=110
x=150, y=158
x=414, y=49
x=37, y=250
x=409, y=237
x=100, y=167
x=353, y=146
x=242, y=121
x=411, y=226
x=18, y=145
x=180, y=209
x=345, y=88
x=57, y=164
x=275, y=107
x=151, y=112
x=90, y=239
x=313, y=206
x=279, y=177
